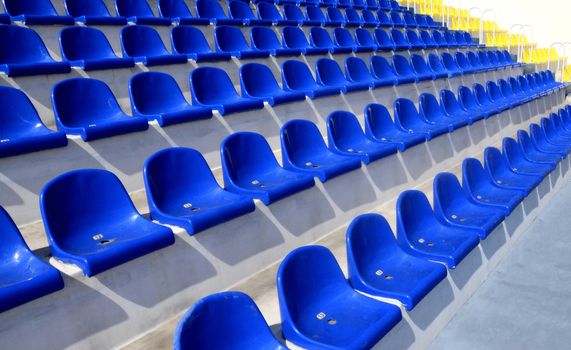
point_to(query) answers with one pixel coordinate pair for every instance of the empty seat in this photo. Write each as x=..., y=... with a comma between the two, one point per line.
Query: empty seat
x=305, y=151
x=380, y=127
x=23, y=276
x=507, y=92
x=315, y=15
x=428, y=40
x=269, y=12
x=435, y=63
x=400, y=40
x=241, y=10
x=453, y=109
x=24, y=53
x=294, y=38
x=296, y=76
x=451, y=65
x=227, y=320
x=450, y=39
x=92, y=223
x=190, y=41
x=498, y=168
x=231, y=40
x=359, y=4
x=181, y=191
x=379, y=267
x=463, y=63
x=383, y=41
x=178, y=12
x=553, y=136
x=319, y=37
x=353, y=19
x=397, y=20
x=211, y=87
x=145, y=45
x=408, y=118
x=421, y=68
x=319, y=309
x=409, y=20
x=518, y=161
x=433, y=112
x=334, y=17
x=460, y=38
x=421, y=21
x=22, y=129
x=258, y=81
x=369, y=19
x=439, y=39
x=293, y=13
x=468, y=101
x=212, y=11
x=344, y=42
x=156, y=96
x=533, y=153
x=264, y=38
x=403, y=70
x=35, y=12
x=89, y=49
x=475, y=62
x=497, y=97
x=328, y=73
x=358, y=73
x=421, y=233
x=87, y=107
x=484, y=100
x=139, y=12
x=384, y=19
x=541, y=142
x=382, y=70
x=92, y=12
x=347, y=138
x=414, y=40
x=251, y=169
x=364, y=40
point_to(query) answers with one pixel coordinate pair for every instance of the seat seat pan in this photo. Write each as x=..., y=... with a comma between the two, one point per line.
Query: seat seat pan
x=30, y=140
x=366, y=150
x=101, y=20
x=326, y=165
x=481, y=218
x=115, y=125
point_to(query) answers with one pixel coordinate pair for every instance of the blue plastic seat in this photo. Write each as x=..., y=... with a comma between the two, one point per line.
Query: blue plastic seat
x=89, y=49
x=294, y=38
x=251, y=169
x=378, y=266
x=499, y=170
x=92, y=12
x=435, y=113
x=450, y=39
x=497, y=97
x=92, y=223
x=364, y=41
x=227, y=320
x=432, y=23
x=353, y=19
x=382, y=71
x=383, y=41
x=305, y=151
x=421, y=68
x=334, y=17
x=409, y=119
x=518, y=91
x=231, y=40
x=342, y=3
x=179, y=13
x=359, y=4
x=212, y=11
x=385, y=4
x=328, y=73
x=24, y=53
x=156, y=96
x=460, y=38
x=553, y=136
x=409, y=20
x=320, y=310
x=475, y=62
x=258, y=81
x=240, y=10
x=347, y=138
x=453, y=206
x=211, y=87
x=518, y=161
x=414, y=40
x=435, y=63
x=403, y=70
x=264, y=38
x=420, y=232
x=482, y=189
x=541, y=142
x=144, y=44
x=421, y=21
x=533, y=153
x=369, y=19
x=358, y=73
x=400, y=40
x=494, y=60
x=268, y=11
x=190, y=41
x=428, y=40
x=451, y=65
x=384, y=19
x=344, y=42
x=22, y=129
x=315, y=15
x=510, y=95
x=439, y=39
x=484, y=99
x=454, y=109
x=319, y=37
x=470, y=42
x=373, y=5
x=467, y=100
x=296, y=76
x=397, y=20
x=293, y=12
x=181, y=191
x=35, y=12
x=139, y=12
x=395, y=6
x=463, y=63
x=23, y=276
x=380, y=127
x=87, y=107
x=485, y=60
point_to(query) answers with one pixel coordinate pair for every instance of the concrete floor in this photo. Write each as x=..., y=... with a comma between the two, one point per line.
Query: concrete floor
x=526, y=302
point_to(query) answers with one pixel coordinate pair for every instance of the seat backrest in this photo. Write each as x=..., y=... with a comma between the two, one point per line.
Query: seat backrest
x=449, y=101
x=421, y=20
x=228, y=320
x=296, y=75
x=210, y=85
x=173, y=9
x=414, y=214
x=397, y=19
x=18, y=115
x=494, y=91
x=13, y=245
x=427, y=38
x=439, y=38
x=229, y=39
x=413, y=38
x=21, y=45
x=187, y=39
x=343, y=128
x=293, y=12
x=468, y=38
x=334, y=14
x=257, y=79
x=77, y=8
x=294, y=38
x=314, y=13
x=383, y=39
x=80, y=101
x=343, y=38
x=328, y=72
x=357, y=70
x=155, y=92
x=462, y=61
x=139, y=41
x=319, y=37
x=29, y=7
x=398, y=37
x=449, y=62
x=435, y=63
x=264, y=38
x=269, y=11
x=377, y=120
x=494, y=161
x=401, y=65
x=245, y=154
x=474, y=175
x=511, y=149
x=474, y=59
x=409, y=19
x=450, y=38
x=447, y=191
x=467, y=98
x=363, y=37
x=419, y=64
x=505, y=88
x=460, y=38
x=84, y=43
x=384, y=19
x=240, y=10
x=428, y=105
x=133, y=8
x=209, y=9
x=481, y=94
x=353, y=16
x=380, y=68
x=300, y=138
x=369, y=17
x=406, y=113
x=524, y=140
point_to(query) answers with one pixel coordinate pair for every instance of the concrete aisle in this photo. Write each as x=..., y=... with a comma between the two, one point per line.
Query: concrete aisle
x=526, y=301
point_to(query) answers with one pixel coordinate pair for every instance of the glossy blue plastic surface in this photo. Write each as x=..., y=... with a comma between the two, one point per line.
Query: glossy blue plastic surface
x=383, y=41
x=454, y=109
x=227, y=320
x=213, y=11
x=409, y=20
x=533, y=153
x=484, y=99
x=23, y=276
x=347, y=138
x=421, y=68
x=379, y=266
x=358, y=73
x=334, y=16
x=258, y=81
x=475, y=62
x=179, y=13
x=369, y=19
x=552, y=135
x=421, y=233
x=297, y=77
x=421, y=21
x=294, y=38
x=439, y=39
x=264, y=38
x=464, y=64
x=499, y=170
x=231, y=40
x=182, y=191
x=508, y=93
x=294, y=13
x=451, y=65
x=319, y=37
x=91, y=222
x=241, y=10
x=24, y=53
x=435, y=113
x=482, y=189
x=190, y=41
x=305, y=151
x=384, y=19
x=22, y=129
x=541, y=142
x=35, y=12
x=92, y=12
x=415, y=41
x=139, y=12
x=485, y=61
x=518, y=161
x=344, y=41
x=364, y=40
x=450, y=39
x=211, y=87
x=400, y=40
x=251, y=169
x=403, y=70
x=468, y=101
x=267, y=11
x=145, y=45
x=453, y=206
x=157, y=96
x=408, y=118
x=460, y=39
x=353, y=18
x=435, y=63
x=87, y=107
x=315, y=15
x=380, y=127
x=397, y=20
x=328, y=73
x=320, y=310
x=88, y=48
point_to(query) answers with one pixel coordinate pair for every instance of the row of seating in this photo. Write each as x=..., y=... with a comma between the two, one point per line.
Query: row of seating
x=91, y=221
x=321, y=308
x=94, y=12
